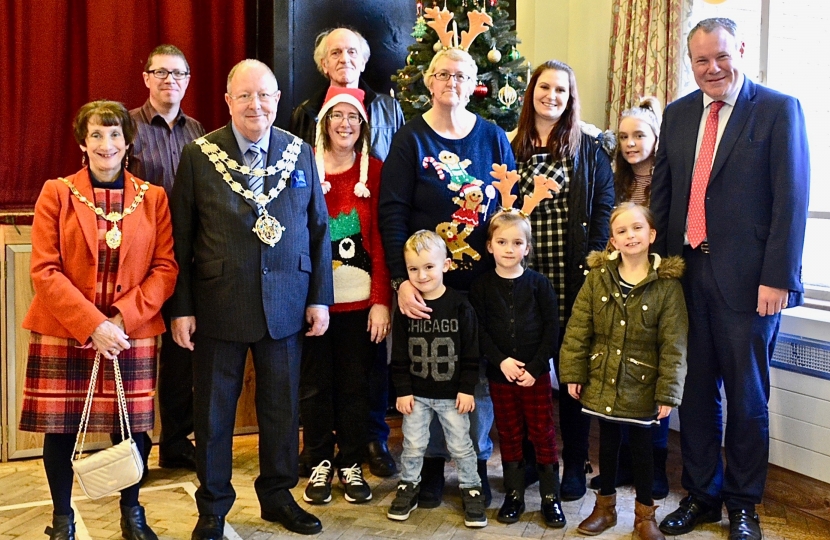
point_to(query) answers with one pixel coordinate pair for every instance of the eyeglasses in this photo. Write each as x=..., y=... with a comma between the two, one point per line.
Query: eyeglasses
x=264, y=97
x=162, y=73
x=352, y=119
x=444, y=76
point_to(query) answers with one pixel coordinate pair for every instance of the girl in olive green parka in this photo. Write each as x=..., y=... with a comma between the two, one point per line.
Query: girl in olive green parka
x=624, y=356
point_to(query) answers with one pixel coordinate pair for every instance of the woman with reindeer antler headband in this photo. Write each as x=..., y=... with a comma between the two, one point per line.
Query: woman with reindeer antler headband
x=437, y=177
x=550, y=141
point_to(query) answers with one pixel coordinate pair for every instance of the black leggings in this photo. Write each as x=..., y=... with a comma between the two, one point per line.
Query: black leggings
x=57, y=460
x=642, y=459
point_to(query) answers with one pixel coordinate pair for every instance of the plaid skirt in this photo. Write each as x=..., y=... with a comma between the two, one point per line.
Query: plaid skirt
x=57, y=380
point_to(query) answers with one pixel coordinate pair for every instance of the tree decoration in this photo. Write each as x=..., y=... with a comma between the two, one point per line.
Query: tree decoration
x=494, y=56
x=508, y=94
x=498, y=35
x=513, y=54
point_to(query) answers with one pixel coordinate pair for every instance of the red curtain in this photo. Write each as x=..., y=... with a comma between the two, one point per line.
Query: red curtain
x=56, y=55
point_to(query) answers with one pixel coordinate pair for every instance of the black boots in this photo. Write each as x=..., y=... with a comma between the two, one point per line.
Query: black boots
x=549, y=490
x=432, y=483
x=660, y=489
x=481, y=467
x=514, y=487
x=63, y=527
x=134, y=524
x=573, y=479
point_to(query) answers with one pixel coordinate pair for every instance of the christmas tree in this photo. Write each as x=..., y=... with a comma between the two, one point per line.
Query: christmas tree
x=502, y=71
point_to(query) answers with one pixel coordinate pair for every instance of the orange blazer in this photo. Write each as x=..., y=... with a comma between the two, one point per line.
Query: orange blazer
x=65, y=262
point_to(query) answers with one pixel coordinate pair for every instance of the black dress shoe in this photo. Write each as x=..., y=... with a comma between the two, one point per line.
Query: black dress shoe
x=744, y=525
x=134, y=524
x=182, y=460
x=293, y=518
x=381, y=462
x=209, y=527
x=691, y=512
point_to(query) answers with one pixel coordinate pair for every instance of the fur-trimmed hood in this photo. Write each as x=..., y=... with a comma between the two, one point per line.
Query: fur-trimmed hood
x=669, y=267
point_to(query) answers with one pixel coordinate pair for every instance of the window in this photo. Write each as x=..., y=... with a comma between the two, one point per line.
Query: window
x=786, y=49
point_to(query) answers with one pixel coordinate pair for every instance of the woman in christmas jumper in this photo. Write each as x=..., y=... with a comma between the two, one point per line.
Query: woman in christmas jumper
x=637, y=136
x=335, y=367
x=432, y=161
x=518, y=330
x=549, y=141
x=624, y=357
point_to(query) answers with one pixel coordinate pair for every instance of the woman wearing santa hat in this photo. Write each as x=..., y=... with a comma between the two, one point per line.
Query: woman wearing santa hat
x=334, y=378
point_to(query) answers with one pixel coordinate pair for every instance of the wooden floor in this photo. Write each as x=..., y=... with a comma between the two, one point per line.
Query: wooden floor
x=795, y=507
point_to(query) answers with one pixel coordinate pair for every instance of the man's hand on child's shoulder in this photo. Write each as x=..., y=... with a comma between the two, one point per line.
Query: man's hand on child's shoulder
x=404, y=404
x=464, y=403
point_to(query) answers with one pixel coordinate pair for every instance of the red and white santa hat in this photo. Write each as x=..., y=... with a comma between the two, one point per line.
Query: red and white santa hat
x=354, y=97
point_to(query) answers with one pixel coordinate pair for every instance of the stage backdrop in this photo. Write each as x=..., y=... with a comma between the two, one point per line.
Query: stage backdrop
x=56, y=55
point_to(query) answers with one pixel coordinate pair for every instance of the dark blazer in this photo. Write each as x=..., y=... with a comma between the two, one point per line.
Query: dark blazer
x=238, y=287
x=756, y=202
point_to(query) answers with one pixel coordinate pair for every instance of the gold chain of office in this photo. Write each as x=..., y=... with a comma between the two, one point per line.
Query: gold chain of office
x=267, y=228
x=113, y=236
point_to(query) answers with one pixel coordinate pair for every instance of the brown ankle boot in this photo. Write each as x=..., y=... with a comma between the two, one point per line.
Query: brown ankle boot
x=603, y=517
x=644, y=524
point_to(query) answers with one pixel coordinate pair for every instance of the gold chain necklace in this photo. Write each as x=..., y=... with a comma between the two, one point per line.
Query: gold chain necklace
x=113, y=236
x=267, y=228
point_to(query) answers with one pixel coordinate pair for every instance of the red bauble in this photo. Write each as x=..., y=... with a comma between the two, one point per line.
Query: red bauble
x=481, y=90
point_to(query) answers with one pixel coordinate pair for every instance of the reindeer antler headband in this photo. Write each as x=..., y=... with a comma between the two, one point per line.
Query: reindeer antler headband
x=505, y=180
x=449, y=38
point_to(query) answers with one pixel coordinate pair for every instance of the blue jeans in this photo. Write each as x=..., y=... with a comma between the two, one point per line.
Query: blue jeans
x=456, y=430
x=481, y=421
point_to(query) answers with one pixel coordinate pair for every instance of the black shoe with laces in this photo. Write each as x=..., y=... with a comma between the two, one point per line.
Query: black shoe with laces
x=357, y=490
x=318, y=489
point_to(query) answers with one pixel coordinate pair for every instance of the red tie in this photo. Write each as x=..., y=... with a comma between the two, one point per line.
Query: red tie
x=700, y=179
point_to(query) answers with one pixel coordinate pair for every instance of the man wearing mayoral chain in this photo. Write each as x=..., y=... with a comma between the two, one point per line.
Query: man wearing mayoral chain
x=251, y=234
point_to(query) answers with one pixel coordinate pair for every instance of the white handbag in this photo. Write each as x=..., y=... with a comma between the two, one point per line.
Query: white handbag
x=117, y=467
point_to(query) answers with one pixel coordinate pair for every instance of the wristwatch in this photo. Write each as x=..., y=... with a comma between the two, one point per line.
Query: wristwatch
x=396, y=283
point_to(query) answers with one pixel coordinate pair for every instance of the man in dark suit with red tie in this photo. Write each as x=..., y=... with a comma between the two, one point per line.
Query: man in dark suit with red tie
x=251, y=236
x=729, y=194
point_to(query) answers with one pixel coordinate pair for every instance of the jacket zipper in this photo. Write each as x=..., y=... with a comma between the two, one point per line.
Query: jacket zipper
x=637, y=362
x=593, y=356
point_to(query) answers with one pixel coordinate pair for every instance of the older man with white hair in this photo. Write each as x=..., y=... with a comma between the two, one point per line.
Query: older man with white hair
x=251, y=238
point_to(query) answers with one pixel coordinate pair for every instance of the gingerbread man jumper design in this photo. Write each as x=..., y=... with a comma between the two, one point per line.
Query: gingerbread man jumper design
x=450, y=164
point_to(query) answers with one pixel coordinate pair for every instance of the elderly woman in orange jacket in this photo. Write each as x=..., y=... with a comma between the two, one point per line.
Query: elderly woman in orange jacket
x=102, y=266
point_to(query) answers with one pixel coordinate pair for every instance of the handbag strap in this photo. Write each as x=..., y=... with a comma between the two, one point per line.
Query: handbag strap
x=123, y=417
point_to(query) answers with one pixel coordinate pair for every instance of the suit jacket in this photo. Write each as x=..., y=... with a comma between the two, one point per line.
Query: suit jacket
x=64, y=263
x=756, y=201
x=238, y=287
